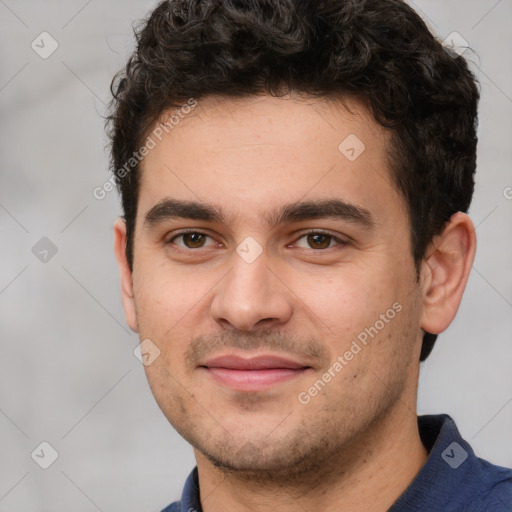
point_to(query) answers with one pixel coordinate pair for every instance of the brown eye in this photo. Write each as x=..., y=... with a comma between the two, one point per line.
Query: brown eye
x=190, y=240
x=193, y=240
x=319, y=241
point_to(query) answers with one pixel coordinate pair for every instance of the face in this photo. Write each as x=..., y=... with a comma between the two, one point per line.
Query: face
x=273, y=272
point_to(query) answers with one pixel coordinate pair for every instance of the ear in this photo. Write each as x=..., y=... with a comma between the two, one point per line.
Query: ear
x=126, y=274
x=445, y=272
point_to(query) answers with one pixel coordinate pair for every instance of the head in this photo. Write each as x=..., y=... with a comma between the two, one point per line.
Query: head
x=251, y=125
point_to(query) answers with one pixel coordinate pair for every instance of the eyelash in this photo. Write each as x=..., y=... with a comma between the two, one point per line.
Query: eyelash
x=307, y=233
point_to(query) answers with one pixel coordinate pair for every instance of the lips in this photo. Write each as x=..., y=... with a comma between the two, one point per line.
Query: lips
x=233, y=362
x=253, y=374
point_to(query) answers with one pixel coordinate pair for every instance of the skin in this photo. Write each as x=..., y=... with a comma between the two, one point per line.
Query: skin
x=355, y=443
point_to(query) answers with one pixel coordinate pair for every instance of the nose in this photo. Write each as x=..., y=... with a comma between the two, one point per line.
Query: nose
x=251, y=296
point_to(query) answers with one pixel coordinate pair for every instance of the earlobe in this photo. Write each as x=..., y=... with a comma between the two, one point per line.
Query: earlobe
x=126, y=274
x=445, y=272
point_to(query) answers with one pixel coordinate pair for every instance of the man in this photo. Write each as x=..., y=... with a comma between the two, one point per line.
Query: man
x=294, y=181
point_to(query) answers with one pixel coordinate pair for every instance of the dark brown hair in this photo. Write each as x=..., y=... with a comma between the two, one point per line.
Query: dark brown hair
x=378, y=51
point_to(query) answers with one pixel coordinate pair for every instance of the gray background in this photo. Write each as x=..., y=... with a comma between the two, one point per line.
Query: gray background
x=67, y=369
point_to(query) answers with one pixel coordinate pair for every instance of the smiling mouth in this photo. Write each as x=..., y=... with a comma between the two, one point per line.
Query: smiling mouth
x=254, y=373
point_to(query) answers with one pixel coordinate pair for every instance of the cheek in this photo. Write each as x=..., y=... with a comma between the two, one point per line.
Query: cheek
x=170, y=302
x=164, y=295
x=361, y=313
x=348, y=299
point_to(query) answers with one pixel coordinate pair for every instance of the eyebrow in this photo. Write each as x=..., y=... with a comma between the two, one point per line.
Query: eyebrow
x=169, y=209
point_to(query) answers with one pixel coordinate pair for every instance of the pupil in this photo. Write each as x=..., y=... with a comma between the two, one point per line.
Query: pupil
x=194, y=239
x=319, y=240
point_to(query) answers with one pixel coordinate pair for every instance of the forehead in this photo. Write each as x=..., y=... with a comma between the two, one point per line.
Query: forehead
x=245, y=154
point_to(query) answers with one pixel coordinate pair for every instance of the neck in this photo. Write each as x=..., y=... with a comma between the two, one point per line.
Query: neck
x=368, y=475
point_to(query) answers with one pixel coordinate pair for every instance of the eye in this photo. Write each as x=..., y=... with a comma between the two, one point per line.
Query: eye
x=190, y=240
x=319, y=240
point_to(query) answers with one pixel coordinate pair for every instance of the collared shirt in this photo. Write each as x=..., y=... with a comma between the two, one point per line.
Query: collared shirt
x=453, y=479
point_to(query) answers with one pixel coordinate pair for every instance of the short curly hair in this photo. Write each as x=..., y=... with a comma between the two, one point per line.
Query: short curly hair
x=377, y=51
